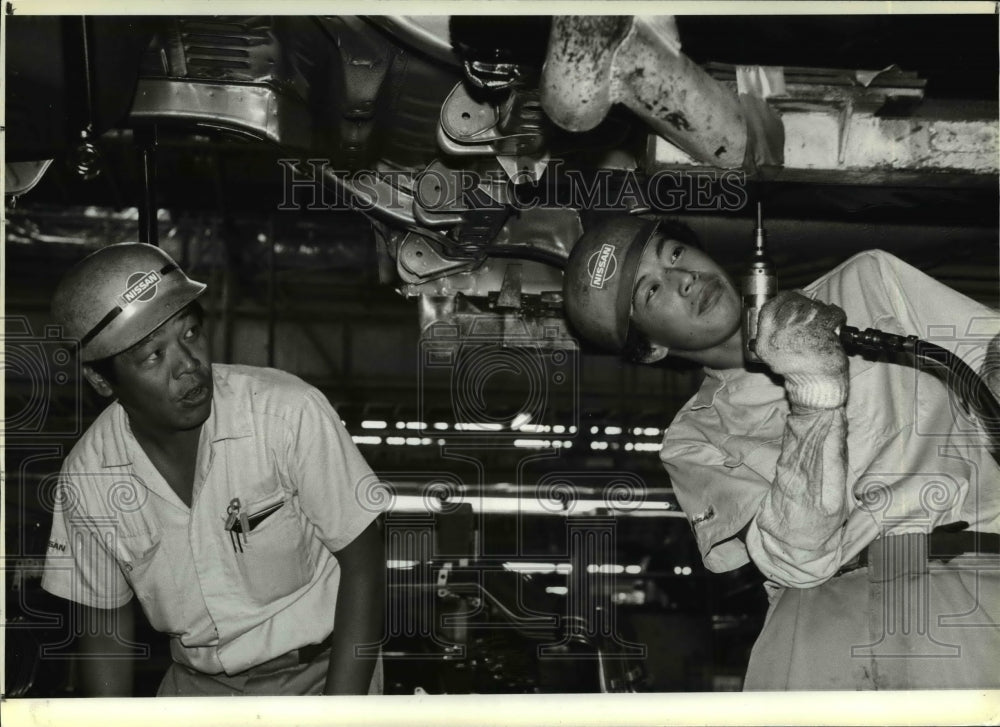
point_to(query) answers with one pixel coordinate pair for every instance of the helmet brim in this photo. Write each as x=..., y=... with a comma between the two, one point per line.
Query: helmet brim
x=134, y=323
x=599, y=277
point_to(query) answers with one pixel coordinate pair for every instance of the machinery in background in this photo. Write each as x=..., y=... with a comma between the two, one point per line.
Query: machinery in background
x=571, y=588
x=479, y=148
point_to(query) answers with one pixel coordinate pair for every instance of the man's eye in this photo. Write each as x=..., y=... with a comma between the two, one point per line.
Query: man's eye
x=651, y=291
x=192, y=333
x=676, y=253
x=153, y=357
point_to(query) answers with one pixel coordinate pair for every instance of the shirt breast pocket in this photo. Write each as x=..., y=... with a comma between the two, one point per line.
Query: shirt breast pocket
x=276, y=560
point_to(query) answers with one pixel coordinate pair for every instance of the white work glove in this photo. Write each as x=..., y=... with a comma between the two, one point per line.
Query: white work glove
x=796, y=338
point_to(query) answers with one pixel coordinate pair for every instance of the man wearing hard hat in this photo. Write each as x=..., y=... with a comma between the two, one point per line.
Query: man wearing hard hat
x=865, y=498
x=229, y=499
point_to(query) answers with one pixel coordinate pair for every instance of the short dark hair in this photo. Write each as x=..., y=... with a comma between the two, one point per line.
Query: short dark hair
x=637, y=347
x=105, y=367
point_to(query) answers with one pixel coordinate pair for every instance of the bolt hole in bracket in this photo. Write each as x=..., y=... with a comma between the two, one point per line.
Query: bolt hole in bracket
x=513, y=133
x=419, y=260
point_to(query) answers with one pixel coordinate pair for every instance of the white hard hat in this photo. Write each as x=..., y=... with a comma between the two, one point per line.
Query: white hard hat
x=115, y=297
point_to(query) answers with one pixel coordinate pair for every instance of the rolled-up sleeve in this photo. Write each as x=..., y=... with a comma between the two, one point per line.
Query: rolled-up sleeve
x=337, y=489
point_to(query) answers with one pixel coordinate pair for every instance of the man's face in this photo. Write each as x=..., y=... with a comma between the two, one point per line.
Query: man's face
x=682, y=298
x=165, y=381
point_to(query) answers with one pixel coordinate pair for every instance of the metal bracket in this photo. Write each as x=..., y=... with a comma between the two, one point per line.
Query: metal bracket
x=513, y=132
x=365, y=57
x=466, y=120
x=418, y=260
x=494, y=76
x=442, y=580
x=510, y=290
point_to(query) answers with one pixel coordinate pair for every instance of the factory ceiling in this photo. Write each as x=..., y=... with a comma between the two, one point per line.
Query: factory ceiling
x=886, y=135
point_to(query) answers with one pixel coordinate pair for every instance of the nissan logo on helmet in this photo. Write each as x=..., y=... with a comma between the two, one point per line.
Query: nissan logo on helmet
x=140, y=287
x=602, y=265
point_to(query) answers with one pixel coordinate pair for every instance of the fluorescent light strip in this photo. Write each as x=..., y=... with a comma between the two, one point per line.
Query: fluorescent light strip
x=478, y=427
x=642, y=446
x=410, y=441
x=541, y=568
x=535, y=428
x=533, y=443
x=605, y=568
x=527, y=567
x=532, y=506
x=543, y=443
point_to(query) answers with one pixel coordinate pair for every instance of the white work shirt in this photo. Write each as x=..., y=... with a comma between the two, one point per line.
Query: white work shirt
x=915, y=460
x=272, y=441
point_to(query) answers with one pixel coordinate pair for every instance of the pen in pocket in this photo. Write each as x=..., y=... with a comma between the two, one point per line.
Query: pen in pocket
x=258, y=517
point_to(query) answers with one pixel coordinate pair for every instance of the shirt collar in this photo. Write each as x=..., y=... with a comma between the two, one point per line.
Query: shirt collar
x=226, y=421
x=714, y=382
x=118, y=454
x=741, y=391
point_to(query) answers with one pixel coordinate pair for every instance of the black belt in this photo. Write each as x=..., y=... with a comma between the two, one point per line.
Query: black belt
x=309, y=652
x=943, y=543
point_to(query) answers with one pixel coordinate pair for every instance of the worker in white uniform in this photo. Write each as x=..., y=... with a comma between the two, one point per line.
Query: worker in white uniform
x=229, y=499
x=860, y=488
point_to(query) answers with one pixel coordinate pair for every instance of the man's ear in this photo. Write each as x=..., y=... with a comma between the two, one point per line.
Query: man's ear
x=100, y=384
x=656, y=353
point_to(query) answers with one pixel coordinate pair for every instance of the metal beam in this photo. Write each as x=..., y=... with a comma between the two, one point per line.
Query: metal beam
x=837, y=139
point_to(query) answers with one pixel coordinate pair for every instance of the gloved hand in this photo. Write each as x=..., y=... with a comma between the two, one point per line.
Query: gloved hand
x=796, y=338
